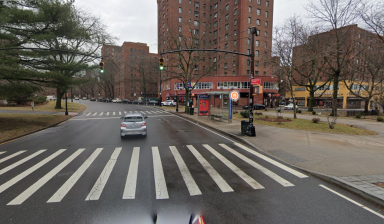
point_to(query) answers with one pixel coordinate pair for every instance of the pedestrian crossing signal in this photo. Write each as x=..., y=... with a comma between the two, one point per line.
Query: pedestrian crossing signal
x=257, y=89
x=101, y=67
x=161, y=63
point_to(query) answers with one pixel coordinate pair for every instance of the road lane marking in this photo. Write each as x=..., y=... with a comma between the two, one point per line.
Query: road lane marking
x=119, y=112
x=354, y=202
x=94, y=114
x=107, y=113
x=101, y=114
x=160, y=184
x=281, y=166
x=3, y=152
x=11, y=156
x=136, y=112
x=101, y=118
x=188, y=179
x=264, y=170
x=113, y=113
x=37, y=185
x=67, y=186
x=8, y=168
x=97, y=189
x=130, y=184
x=88, y=114
x=253, y=183
x=125, y=112
x=19, y=177
x=143, y=112
x=223, y=185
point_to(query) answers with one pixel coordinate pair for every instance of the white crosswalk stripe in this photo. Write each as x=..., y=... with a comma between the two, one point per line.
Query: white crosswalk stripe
x=97, y=189
x=130, y=185
x=94, y=114
x=64, y=189
x=266, y=171
x=3, y=152
x=188, y=179
x=223, y=185
x=37, y=185
x=148, y=112
x=143, y=112
x=119, y=112
x=101, y=114
x=8, y=168
x=113, y=113
x=107, y=113
x=254, y=184
x=281, y=166
x=19, y=177
x=11, y=156
x=88, y=114
x=161, y=186
x=125, y=112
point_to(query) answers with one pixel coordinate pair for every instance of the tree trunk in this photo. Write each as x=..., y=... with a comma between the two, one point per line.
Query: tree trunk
x=335, y=91
x=366, y=105
x=58, y=98
x=311, y=99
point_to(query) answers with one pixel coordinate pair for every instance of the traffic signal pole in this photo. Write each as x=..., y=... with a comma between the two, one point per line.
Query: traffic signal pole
x=251, y=129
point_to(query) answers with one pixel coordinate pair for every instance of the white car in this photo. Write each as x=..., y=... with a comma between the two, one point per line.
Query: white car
x=117, y=100
x=168, y=103
x=76, y=98
x=84, y=98
x=290, y=107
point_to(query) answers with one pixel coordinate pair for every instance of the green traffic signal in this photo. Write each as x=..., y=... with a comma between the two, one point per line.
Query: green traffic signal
x=161, y=68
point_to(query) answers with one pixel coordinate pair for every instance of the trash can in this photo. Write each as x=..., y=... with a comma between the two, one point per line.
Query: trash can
x=244, y=125
x=191, y=111
x=250, y=131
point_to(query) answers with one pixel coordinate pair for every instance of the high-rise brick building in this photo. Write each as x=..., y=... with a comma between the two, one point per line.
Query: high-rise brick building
x=124, y=61
x=227, y=26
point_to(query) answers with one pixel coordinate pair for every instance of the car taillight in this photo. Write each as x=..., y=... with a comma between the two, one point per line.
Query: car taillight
x=123, y=125
x=143, y=124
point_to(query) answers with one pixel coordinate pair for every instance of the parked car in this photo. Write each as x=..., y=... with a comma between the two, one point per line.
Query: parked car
x=137, y=102
x=84, y=98
x=133, y=124
x=92, y=99
x=256, y=106
x=153, y=102
x=51, y=97
x=76, y=98
x=117, y=100
x=168, y=103
x=290, y=107
x=100, y=99
x=126, y=101
x=106, y=100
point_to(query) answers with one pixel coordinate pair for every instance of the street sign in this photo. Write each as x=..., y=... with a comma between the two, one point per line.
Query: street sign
x=189, y=85
x=234, y=95
x=256, y=82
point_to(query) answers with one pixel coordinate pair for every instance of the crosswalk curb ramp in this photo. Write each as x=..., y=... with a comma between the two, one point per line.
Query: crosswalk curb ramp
x=133, y=171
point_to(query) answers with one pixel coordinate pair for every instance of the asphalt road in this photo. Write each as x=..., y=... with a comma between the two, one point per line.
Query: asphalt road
x=83, y=172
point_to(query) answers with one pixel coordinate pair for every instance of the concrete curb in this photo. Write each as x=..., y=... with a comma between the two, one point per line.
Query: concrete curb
x=41, y=129
x=332, y=179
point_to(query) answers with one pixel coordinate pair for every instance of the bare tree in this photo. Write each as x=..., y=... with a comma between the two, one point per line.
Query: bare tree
x=373, y=17
x=189, y=66
x=89, y=87
x=336, y=14
x=107, y=78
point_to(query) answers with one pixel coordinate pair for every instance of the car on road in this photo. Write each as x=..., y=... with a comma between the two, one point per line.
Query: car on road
x=138, y=102
x=168, y=103
x=290, y=107
x=153, y=102
x=100, y=99
x=126, y=101
x=133, y=124
x=256, y=106
x=92, y=99
x=76, y=98
x=117, y=100
x=107, y=100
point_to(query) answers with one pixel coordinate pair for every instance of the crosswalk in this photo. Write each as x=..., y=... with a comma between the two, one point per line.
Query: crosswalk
x=132, y=174
x=115, y=113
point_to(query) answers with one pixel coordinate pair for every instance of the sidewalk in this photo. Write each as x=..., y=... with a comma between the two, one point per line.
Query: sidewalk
x=35, y=112
x=355, y=162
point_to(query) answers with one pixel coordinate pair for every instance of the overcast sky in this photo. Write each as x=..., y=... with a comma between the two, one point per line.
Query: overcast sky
x=136, y=20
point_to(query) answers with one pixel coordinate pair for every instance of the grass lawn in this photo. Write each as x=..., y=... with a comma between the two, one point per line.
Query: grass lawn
x=13, y=125
x=308, y=125
x=50, y=106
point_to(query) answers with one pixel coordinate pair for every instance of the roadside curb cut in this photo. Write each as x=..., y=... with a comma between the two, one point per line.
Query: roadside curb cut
x=332, y=179
x=41, y=129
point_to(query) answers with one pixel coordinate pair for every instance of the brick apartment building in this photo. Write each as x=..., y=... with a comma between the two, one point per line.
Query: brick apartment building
x=122, y=61
x=227, y=25
x=356, y=44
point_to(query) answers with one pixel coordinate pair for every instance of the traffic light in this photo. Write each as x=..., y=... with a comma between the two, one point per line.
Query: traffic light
x=101, y=67
x=257, y=89
x=161, y=63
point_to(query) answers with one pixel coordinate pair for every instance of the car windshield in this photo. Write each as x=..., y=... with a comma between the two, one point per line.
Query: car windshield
x=133, y=119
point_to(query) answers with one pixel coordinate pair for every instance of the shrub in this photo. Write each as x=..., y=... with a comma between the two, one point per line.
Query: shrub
x=12, y=104
x=39, y=99
x=245, y=113
x=313, y=112
x=278, y=110
x=380, y=119
x=266, y=117
x=358, y=115
x=315, y=120
x=298, y=111
x=266, y=109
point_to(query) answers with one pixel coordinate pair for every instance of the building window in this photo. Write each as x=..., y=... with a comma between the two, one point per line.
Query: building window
x=249, y=41
x=257, y=53
x=204, y=24
x=269, y=85
x=234, y=63
x=226, y=36
x=265, y=44
x=215, y=15
x=249, y=19
x=225, y=65
x=266, y=34
x=226, y=46
x=267, y=3
x=258, y=2
x=249, y=30
x=256, y=63
x=258, y=12
x=196, y=31
x=233, y=85
x=226, y=56
x=227, y=17
x=235, y=22
x=235, y=2
x=234, y=43
x=265, y=64
x=196, y=14
x=196, y=67
x=227, y=7
x=248, y=62
x=248, y=51
x=235, y=12
x=247, y=72
x=266, y=14
x=196, y=23
x=215, y=6
x=215, y=24
x=226, y=27
x=180, y=10
x=257, y=43
x=197, y=5
x=266, y=24
x=180, y=1
x=258, y=22
x=179, y=28
x=234, y=33
x=180, y=19
x=249, y=9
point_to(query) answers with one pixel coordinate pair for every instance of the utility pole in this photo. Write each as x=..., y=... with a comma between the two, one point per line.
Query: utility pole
x=251, y=129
